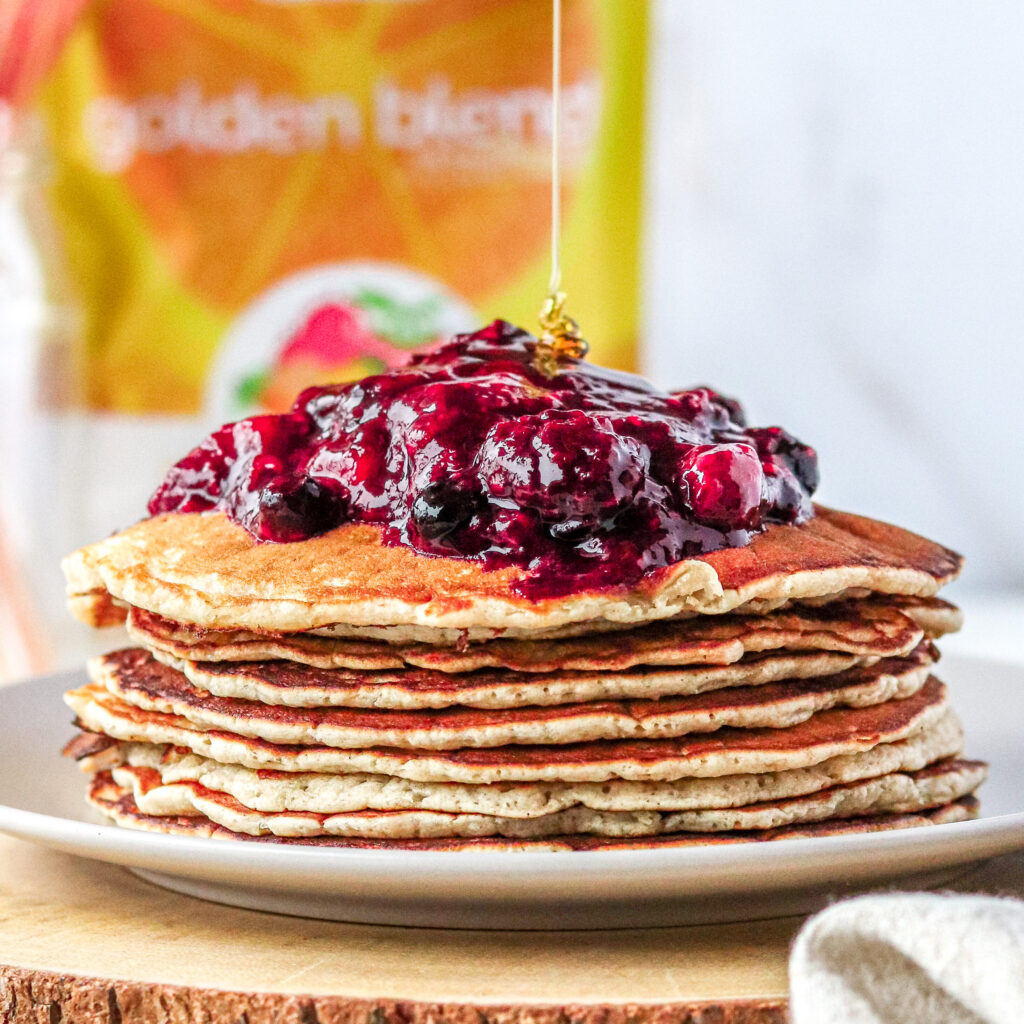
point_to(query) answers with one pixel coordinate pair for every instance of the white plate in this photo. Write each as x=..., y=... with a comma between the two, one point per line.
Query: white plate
x=41, y=799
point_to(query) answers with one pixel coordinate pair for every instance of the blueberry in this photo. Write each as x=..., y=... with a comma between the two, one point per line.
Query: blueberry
x=442, y=507
x=285, y=512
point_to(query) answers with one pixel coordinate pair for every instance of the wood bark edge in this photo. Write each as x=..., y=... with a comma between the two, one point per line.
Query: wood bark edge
x=40, y=997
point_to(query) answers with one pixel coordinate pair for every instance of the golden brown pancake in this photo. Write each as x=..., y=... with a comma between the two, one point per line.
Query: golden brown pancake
x=934, y=615
x=283, y=682
x=201, y=568
x=276, y=792
x=117, y=803
x=728, y=751
x=136, y=678
x=905, y=792
x=851, y=627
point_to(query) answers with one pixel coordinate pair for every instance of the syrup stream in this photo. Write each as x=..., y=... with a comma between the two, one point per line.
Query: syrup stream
x=561, y=334
x=555, y=282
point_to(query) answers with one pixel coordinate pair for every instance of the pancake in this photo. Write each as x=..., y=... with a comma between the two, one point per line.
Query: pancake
x=331, y=794
x=201, y=568
x=934, y=615
x=284, y=682
x=897, y=793
x=135, y=677
x=93, y=751
x=182, y=641
x=726, y=752
x=852, y=627
x=117, y=803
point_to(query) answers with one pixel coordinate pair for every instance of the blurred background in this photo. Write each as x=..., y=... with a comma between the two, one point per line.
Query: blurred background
x=836, y=234
x=207, y=204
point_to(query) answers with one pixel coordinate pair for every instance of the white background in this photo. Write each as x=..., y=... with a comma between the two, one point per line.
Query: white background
x=837, y=236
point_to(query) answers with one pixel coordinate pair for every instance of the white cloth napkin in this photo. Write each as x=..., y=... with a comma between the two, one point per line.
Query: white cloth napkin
x=915, y=958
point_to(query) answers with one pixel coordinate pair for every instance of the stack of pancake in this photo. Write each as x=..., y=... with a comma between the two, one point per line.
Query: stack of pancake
x=337, y=691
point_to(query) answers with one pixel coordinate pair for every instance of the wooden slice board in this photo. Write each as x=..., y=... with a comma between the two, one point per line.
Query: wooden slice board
x=88, y=943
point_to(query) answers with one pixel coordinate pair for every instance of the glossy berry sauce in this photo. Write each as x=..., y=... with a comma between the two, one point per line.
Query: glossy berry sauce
x=587, y=479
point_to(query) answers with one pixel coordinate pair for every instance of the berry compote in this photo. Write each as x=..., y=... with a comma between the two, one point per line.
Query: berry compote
x=586, y=479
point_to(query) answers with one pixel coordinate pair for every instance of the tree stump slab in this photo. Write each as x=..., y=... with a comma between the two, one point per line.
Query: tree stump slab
x=88, y=943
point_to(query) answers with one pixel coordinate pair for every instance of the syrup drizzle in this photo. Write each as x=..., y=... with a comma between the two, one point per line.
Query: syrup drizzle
x=555, y=283
x=560, y=337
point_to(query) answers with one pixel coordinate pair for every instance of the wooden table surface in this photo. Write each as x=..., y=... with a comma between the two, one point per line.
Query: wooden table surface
x=86, y=943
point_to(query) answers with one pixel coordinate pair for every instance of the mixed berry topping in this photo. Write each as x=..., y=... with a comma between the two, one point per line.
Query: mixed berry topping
x=587, y=479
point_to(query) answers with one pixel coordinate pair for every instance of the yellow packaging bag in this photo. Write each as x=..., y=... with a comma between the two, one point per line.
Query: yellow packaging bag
x=256, y=196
